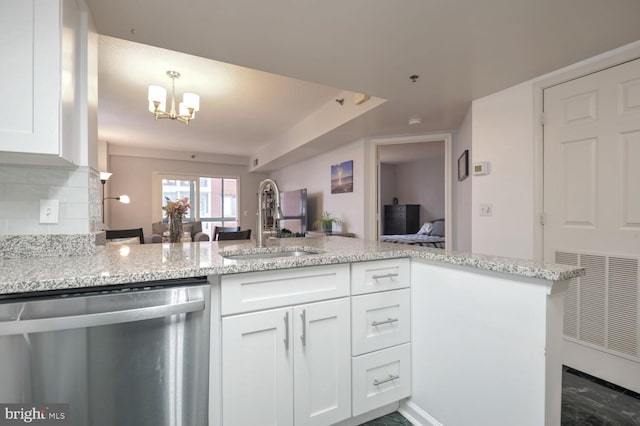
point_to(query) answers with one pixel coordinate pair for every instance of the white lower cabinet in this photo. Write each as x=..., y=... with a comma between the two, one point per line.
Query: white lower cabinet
x=287, y=366
x=313, y=346
x=322, y=364
x=381, y=377
x=381, y=333
x=380, y=320
x=257, y=369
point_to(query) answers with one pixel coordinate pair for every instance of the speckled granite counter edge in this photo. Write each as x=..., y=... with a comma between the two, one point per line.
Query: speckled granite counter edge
x=283, y=263
x=49, y=245
x=523, y=268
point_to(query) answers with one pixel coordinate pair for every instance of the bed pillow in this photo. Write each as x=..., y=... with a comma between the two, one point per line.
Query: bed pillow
x=438, y=228
x=426, y=228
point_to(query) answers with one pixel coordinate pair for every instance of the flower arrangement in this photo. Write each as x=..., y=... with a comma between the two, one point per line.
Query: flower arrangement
x=177, y=208
x=175, y=211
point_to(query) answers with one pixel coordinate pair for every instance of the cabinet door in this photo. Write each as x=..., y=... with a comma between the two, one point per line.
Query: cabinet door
x=257, y=366
x=322, y=363
x=40, y=40
x=30, y=90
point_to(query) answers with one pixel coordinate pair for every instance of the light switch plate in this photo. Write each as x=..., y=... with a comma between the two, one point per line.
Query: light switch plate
x=480, y=169
x=49, y=211
x=486, y=209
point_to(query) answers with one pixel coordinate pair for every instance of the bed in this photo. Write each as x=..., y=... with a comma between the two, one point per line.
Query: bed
x=415, y=239
x=431, y=234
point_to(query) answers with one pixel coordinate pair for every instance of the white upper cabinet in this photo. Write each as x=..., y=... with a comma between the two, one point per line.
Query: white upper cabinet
x=39, y=45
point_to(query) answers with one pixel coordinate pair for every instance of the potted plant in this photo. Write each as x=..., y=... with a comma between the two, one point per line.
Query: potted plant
x=326, y=221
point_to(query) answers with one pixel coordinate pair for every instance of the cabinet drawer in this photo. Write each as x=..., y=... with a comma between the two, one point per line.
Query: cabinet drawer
x=381, y=377
x=380, y=320
x=270, y=289
x=379, y=275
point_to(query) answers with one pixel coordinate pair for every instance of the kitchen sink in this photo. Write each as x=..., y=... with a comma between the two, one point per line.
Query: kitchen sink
x=253, y=255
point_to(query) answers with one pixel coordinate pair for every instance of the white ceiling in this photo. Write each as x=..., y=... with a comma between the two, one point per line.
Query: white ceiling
x=240, y=108
x=462, y=50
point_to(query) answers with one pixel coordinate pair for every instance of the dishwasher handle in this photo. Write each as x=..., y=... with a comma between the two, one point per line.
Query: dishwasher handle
x=101, y=318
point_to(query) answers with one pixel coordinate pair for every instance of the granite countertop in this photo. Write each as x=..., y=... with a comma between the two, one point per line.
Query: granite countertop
x=115, y=264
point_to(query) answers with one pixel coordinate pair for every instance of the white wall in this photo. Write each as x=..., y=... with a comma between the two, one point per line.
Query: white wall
x=461, y=191
x=506, y=132
x=486, y=348
x=315, y=175
x=415, y=182
x=422, y=182
x=503, y=135
x=132, y=176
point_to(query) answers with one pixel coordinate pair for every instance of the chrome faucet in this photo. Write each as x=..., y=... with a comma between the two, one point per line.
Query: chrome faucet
x=262, y=208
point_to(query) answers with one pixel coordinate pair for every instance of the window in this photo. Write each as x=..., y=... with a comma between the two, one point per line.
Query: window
x=214, y=200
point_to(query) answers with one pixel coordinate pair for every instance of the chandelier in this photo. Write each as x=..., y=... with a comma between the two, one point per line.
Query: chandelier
x=158, y=98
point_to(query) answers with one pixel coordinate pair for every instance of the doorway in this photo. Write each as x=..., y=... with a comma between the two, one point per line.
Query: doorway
x=375, y=196
x=591, y=186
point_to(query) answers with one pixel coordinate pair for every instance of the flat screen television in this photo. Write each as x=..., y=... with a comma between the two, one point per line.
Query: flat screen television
x=294, y=211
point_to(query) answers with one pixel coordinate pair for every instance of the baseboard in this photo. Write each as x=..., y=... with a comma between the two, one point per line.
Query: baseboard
x=416, y=415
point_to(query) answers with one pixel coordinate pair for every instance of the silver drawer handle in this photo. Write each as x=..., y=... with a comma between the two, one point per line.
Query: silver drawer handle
x=390, y=275
x=303, y=317
x=390, y=379
x=286, y=331
x=387, y=321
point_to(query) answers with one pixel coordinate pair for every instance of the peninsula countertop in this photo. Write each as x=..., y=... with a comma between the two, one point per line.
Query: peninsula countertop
x=122, y=264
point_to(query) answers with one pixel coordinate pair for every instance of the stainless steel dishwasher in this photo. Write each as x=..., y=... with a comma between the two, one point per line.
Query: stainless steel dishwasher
x=133, y=355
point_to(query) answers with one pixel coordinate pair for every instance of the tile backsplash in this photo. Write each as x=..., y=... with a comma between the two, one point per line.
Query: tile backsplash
x=21, y=189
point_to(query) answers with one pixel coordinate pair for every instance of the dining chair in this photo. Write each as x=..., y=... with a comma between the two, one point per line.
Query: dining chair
x=218, y=229
x=125, y=233
x=235, y=235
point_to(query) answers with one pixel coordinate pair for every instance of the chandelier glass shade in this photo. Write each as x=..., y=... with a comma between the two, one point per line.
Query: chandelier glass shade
x=157, y=98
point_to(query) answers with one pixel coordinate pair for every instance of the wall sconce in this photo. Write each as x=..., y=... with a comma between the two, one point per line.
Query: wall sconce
x=124, y=199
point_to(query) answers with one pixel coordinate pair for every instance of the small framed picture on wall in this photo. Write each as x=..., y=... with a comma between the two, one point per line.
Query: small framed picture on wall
x=342, y=177
x=463, y=166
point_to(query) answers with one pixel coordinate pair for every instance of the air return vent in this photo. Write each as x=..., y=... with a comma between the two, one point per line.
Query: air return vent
x=601, y=308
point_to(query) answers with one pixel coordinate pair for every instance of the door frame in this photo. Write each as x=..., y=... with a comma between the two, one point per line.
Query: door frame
x=372, y=214
x=612, y=58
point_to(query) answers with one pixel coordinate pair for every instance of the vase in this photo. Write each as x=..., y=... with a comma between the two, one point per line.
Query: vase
x=175, y=228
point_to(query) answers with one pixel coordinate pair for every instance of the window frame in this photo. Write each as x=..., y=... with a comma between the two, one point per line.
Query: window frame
x=158, y=197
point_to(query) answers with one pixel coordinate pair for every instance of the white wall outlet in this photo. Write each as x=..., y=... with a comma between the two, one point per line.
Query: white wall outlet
x=49, y=211
x=486, y=209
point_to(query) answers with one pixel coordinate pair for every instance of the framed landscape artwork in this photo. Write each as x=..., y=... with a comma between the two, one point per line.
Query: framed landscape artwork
x=342, y=177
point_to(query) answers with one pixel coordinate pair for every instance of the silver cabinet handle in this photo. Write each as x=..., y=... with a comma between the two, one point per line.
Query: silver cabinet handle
x=303, y=317
x=390, y=379
x=102, y=318
x=286, y=330
x=390, y=275
x=387, y=321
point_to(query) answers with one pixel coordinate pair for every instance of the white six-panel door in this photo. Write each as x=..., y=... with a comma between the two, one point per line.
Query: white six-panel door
x=257, y=369
x=592, y=206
